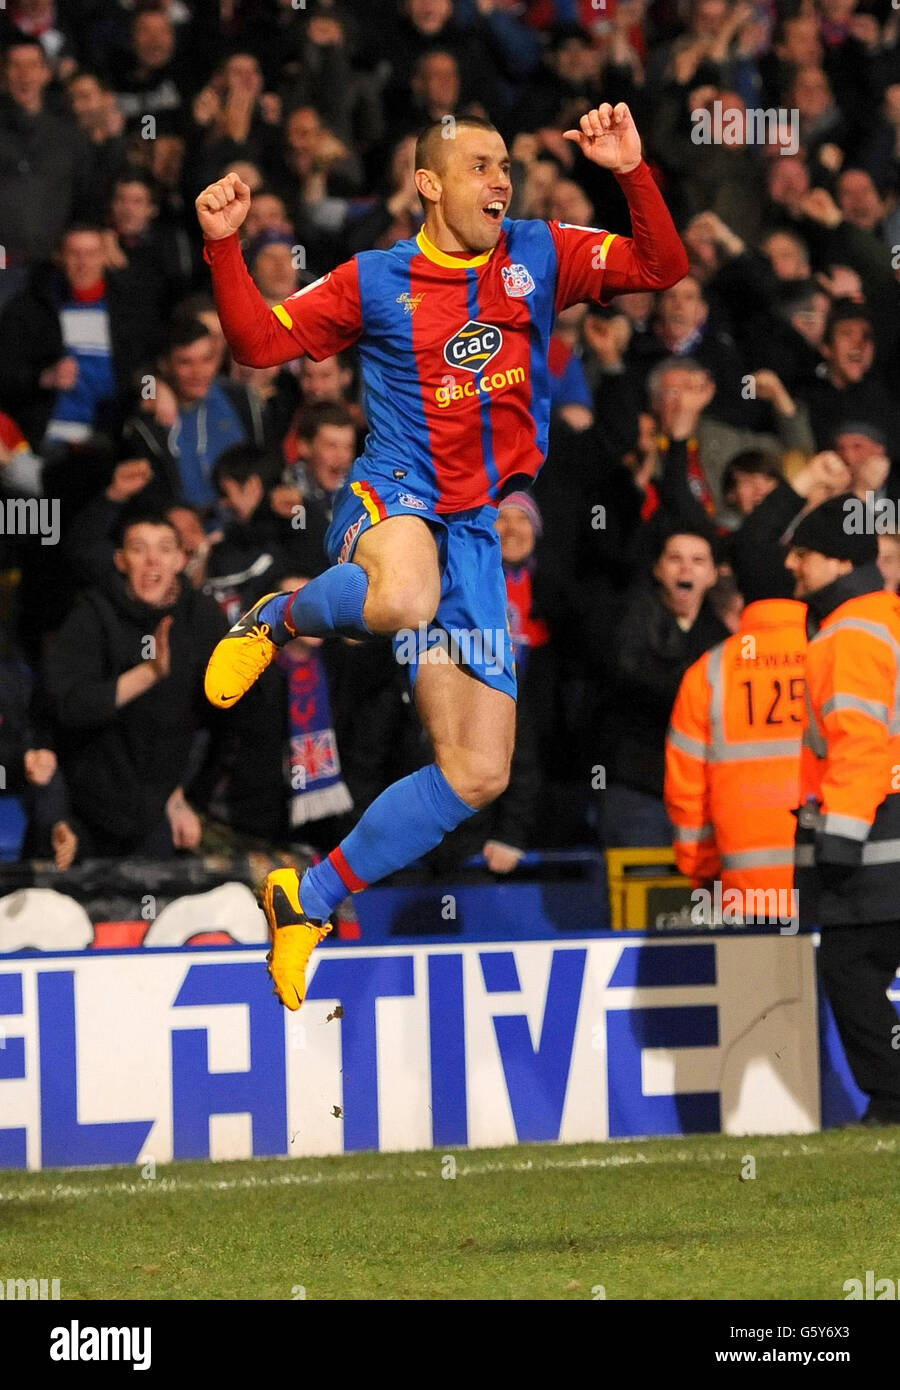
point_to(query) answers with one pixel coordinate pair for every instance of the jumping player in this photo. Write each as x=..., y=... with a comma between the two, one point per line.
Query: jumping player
x=453, y=327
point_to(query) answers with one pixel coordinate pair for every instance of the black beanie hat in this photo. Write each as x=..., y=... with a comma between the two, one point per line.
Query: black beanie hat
x=837, y=528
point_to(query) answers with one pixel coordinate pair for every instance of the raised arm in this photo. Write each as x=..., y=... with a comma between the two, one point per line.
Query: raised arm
x=600, y=267
x=653, y=257
x=328, y=319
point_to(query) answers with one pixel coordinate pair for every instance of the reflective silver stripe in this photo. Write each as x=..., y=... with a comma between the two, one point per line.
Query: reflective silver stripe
x=875, y=708
x=881, y=852
x=851, y=827
x=757, y=749
x=883, y=634
x=758, y=859
x=861, y=625
x=716, y=699
x=692, y=835
x=685, y=744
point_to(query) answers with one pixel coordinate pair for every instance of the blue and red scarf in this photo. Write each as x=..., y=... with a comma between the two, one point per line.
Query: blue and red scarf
x=526, y=631
x=313, y=766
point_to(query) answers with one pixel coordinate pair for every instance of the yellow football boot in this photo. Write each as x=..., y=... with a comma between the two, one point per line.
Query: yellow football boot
x=240, y=658
x=293, y=935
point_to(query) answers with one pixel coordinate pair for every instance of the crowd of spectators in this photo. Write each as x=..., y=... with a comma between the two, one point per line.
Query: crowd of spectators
x=689, y=428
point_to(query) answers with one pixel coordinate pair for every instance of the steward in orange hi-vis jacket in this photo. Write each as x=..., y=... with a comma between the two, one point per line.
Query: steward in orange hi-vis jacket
x=848, y=837
x=733, y=753
x=850, y=766
x=848, y=834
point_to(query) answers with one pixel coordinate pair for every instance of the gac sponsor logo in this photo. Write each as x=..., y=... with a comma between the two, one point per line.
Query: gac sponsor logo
x=474, y=346
x=406, y=499
x=487, y=385
x=349, y=537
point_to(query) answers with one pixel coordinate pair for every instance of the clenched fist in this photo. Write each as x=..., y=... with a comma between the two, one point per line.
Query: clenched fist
x=223, y=206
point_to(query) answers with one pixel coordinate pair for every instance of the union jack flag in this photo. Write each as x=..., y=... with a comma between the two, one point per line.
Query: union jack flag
x=316, y=754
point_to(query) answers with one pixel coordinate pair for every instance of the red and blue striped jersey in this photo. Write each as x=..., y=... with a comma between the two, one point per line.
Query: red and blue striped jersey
x=453, y=349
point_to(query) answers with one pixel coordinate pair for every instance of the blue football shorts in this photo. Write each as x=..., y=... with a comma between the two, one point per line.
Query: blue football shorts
x=471, y=626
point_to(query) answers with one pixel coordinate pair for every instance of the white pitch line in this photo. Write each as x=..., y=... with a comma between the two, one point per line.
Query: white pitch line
x=63, y=1192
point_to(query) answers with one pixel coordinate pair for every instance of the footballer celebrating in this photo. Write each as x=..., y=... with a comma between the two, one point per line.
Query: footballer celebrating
x=453, y=328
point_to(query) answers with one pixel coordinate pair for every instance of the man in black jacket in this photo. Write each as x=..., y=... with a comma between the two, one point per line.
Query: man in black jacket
x=124, y=677
x=664, y=629
x=146, y=253
x=848, y=823
x=855, y=386
x=260, y=547
x=46, y=164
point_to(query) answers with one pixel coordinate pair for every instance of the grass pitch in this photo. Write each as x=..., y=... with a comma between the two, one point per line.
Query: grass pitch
x=655, y=1219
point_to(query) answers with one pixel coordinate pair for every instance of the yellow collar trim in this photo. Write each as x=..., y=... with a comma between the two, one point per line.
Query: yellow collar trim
x=434, y=253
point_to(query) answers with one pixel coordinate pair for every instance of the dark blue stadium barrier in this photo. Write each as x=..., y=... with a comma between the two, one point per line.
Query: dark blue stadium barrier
x=548, y=895
x=13, y=824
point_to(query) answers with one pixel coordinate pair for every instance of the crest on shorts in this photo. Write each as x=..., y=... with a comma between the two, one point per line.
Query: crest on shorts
x=406, y=499
x=350, y=535
x=517, y=281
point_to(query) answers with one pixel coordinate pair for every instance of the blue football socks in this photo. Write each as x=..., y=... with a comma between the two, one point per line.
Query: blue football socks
x=403, y=823
x=332, y=602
